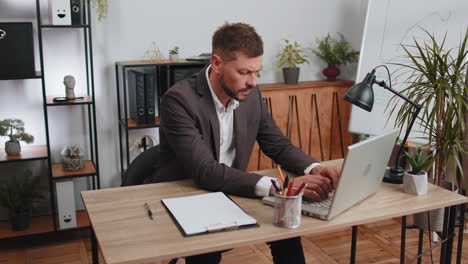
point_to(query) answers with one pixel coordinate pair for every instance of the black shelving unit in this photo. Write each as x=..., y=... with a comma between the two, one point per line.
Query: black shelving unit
x=55, y=172
x=166, y=73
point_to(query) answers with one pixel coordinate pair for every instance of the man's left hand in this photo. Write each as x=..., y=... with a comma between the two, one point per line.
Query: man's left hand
x=333, y=173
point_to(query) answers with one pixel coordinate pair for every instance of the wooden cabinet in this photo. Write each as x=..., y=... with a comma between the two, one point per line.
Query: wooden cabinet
x=312, y=114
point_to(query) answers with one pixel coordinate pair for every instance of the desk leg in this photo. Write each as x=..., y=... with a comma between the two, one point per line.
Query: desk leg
x=352, y=259
x=449, y=229
x=403, y=239
x=420, y=244
x=460, y=233
x=94, y=247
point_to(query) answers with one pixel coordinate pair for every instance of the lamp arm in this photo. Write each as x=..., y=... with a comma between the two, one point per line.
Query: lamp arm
x=385, y=86
x=408, y=130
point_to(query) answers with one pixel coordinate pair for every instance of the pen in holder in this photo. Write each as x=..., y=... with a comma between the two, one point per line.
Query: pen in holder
x=287, y=210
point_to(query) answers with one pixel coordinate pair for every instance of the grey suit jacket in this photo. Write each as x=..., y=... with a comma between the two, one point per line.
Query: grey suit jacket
x=190, y=139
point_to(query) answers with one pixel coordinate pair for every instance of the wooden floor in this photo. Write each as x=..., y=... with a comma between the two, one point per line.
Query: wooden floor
x=377, y=243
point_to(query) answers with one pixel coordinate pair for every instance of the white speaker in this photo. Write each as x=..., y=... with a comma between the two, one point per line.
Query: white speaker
x=66, y=204
x=60, y=12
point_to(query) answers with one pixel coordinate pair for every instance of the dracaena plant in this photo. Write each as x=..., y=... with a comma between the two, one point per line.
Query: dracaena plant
x=436, y=80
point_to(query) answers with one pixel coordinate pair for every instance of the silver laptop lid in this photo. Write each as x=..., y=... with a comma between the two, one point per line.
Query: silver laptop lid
x=362, y=171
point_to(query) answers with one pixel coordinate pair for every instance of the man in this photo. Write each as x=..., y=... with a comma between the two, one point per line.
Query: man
x=210, y=122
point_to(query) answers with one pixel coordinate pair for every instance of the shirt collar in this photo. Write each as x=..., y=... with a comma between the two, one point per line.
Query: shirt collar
x=233, y=103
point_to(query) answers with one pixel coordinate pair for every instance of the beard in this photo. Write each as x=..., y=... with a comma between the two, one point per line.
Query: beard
x=230, y=92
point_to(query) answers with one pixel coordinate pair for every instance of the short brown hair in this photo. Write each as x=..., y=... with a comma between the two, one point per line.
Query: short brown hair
x=230, y=38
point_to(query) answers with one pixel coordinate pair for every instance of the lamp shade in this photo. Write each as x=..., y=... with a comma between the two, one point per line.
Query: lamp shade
x=362, y=94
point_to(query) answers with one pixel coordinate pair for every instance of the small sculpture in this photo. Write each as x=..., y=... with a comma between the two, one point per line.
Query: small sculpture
x=69, y=82
x=72, y=158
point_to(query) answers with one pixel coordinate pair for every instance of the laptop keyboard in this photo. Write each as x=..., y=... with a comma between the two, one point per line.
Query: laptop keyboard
x=324, y=203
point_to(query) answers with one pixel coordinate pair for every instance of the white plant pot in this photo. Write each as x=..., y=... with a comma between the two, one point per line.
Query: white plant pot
x=415, y=184
x=173, y=57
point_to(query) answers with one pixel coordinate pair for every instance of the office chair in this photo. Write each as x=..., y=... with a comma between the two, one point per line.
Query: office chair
x=141, y=170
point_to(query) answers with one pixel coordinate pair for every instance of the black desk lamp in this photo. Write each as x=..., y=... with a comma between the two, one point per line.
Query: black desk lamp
x=362, y=95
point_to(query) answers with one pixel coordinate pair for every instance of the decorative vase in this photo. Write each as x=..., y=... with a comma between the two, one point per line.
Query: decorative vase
x=173, y=57
x=415, y=184
x=12, y=147
x=291, y=75
x=432, y=220
x=19, y=222
x=331, y=72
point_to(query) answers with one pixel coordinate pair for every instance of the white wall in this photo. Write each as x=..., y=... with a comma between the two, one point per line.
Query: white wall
x=130, y=28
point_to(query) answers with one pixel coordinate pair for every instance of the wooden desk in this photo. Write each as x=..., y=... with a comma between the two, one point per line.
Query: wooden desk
x=126, y=234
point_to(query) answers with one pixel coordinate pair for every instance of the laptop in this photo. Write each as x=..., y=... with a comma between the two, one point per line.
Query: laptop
x=361, y=175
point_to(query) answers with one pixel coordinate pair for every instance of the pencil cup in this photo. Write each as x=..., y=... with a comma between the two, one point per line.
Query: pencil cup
x=287, y=211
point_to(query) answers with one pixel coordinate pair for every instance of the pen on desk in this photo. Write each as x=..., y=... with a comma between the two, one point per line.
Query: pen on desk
x=277, y=187
x=148, y=210
x=280, y=173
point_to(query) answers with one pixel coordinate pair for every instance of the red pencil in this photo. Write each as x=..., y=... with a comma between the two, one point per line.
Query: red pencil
x=302, y=187
x=290, y=188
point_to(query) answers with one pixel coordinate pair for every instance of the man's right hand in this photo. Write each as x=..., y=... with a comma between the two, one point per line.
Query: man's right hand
x=318, y=187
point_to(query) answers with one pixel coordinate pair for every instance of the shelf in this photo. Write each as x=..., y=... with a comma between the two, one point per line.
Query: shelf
x=41, y=225
x=27, y=153
x=37, y=75
x=59, y=173
x=132, y=124
x=86, y=100
x=64, y=26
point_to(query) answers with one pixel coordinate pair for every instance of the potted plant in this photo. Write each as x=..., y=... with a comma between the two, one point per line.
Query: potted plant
x=291, y=55
x=335, y=52
x=174, y=53
x=18, y=198
x=415, y=180
x=14, y=129
x=72, y=158
x=437, y=82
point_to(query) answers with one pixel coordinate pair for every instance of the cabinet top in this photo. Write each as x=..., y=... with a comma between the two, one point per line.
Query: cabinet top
x=158, y=62
x=305, y=85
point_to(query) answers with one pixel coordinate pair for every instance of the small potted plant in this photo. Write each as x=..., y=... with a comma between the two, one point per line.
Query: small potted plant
x=174, y=53
x=72, y=158
x=415, y=180
x=14, y=129
x=291, y=55
x=335, y=52
x=18, y=198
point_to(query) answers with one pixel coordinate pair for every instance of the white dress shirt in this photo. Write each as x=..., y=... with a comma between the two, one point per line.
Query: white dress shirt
x=227, y=137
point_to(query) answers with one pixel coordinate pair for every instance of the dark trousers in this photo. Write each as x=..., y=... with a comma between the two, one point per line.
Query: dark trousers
x=288, y=251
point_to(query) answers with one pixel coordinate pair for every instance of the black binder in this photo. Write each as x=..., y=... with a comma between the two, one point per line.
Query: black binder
x=77, y=12
x=16, y=50
x=150, y=98
x=136, y=96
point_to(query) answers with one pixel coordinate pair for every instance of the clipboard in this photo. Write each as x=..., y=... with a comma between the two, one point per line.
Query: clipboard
x=207, y=213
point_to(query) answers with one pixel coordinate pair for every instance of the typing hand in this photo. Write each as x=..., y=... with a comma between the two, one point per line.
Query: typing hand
x=318, y=186
x=331, y=173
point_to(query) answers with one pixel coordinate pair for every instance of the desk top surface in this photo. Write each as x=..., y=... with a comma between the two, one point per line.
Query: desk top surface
x=126, y=234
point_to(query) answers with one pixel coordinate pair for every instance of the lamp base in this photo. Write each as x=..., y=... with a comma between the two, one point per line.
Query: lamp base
x=394, y=175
